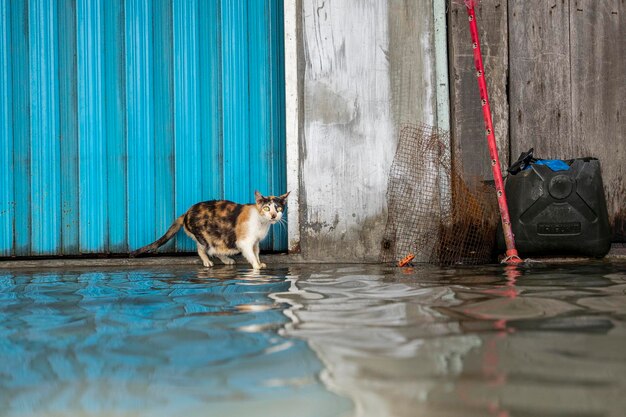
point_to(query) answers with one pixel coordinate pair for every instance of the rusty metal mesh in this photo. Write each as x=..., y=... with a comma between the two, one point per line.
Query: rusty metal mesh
x=433, y=212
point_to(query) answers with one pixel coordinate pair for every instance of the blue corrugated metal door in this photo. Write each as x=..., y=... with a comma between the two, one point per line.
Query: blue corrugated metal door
x=117, y=115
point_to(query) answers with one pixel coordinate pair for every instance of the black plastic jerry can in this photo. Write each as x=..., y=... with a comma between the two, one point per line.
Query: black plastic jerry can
x=558, y=212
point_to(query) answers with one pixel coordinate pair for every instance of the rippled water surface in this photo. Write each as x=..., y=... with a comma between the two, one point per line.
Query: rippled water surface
x=315, y=340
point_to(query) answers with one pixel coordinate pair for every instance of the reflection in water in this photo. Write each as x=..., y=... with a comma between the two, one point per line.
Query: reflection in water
x=494, y=341
x=153, y=344
x=315, y=341
x=383, y=342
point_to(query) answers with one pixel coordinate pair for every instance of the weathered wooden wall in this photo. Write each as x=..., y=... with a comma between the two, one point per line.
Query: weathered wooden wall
x=368, y=66
x=540, y=91
x=468, y=126
x=566, y=90
x=568, y=87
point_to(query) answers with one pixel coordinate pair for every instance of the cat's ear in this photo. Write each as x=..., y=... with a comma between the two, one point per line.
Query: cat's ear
x=258, y=197
x=284, y=196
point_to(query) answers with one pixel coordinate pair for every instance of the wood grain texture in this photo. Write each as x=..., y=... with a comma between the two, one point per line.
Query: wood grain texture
x=598, y=79
x=368, y=64
x=540, y=88
x=568, y=87
x=468, y=127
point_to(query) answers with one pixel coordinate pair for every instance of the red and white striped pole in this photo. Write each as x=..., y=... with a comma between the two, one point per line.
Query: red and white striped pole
x=511, y=253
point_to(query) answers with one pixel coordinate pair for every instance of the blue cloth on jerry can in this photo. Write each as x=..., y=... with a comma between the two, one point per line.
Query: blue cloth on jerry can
x=554, y=164
x=526, y=159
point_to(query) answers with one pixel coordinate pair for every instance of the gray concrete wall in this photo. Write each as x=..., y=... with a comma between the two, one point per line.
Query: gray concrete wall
x=368, y=67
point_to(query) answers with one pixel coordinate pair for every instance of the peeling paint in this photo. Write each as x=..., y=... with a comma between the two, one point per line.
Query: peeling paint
x=368, y=65
x=327, y=106
x=348, y=240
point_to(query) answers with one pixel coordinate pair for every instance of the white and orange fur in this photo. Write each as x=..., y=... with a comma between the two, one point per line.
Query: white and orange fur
x=222, y=228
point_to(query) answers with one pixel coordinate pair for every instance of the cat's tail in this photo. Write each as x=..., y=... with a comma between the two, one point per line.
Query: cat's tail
x=174, y=228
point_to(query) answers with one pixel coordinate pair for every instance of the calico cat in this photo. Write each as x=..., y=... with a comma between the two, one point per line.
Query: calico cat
x=222, y=228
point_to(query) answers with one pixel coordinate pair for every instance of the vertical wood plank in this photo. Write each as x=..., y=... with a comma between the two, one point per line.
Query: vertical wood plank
x=164, y=117
x=7, y=198
x=115, y=114
x=468, y=126
x=91, y=127
x=45, y=149
x=140, y=123
x=348, y=129
x=293, y=58
x=235, y=101
x=598, y=84
x=20, y=69
x=68, y=107
x=410, y=28
x=186, y=111
x=540, y=91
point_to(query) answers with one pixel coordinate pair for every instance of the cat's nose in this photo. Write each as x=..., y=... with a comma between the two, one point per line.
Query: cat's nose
x=273, y=216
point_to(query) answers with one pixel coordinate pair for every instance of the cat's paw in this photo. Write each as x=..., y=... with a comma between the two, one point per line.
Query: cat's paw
x=227, y=260
x=208, y=264
x=259, y=266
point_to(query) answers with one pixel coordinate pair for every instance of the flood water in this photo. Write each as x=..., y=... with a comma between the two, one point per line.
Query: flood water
x=315, y=340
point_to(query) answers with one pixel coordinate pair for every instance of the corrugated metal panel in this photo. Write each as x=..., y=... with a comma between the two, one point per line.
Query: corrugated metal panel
x=277, y=139
x=164, y=116
x=92, y=149
x=116, y=115
x=140, y=122
x=187, y=107
x=68, y=102
x=20, y=102
x=7, y=212
x=45, y=149
x=235, y=87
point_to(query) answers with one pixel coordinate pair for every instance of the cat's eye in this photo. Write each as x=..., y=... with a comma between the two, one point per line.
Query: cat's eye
x=266, y=208
x=279, y=209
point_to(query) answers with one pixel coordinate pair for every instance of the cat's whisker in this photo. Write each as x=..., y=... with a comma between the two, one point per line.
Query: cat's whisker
x=282, y=223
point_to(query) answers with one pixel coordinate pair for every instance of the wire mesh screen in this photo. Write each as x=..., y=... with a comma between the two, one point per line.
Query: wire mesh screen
x=433, y=212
